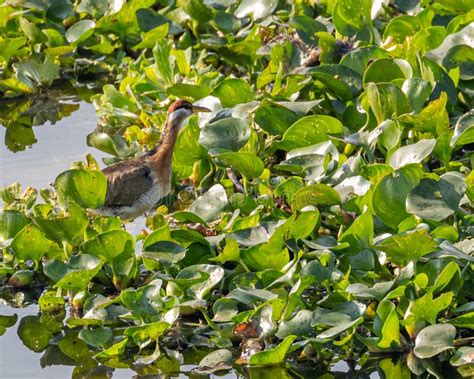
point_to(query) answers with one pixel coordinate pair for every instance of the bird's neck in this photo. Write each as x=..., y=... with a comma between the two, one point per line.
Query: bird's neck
x=163, y=152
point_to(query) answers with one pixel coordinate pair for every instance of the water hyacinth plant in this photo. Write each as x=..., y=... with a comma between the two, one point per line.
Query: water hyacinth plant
x=321, y=212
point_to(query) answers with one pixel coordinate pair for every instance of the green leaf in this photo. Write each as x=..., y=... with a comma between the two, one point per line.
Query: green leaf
x=426, y=308
x=464, y=130
x=142, y=335
x=360, y=234
x=50, y=302
x=7, y=322
x=162, y=66
x=462, y=356
x=114, y=350
x=257, y=9
x=36, y=74
x=316, y=194
x=11, y=222
x=114, y=145
x=86, y=188
x=310, y=130
x=299, y=325
x=80, y=31
x=338, y=329
x=386, y=325
x=76, y=349
x=407, y=246
x=230, y=252
x=227, y=133
x=414, y=153
x=386, y=101
x=207, y=277
x=197, y=10
x=273, y=356
x=34, y=335
x=215, y=361
x=150, y=37
x=69, y=227
x=78, y=272
x=437, y=200
x=31, y=243
x=233, y=91
x=434, y=339
x=187, y=149
x=387, y=70
x=145, y=301
x=165, y=252
x=390, y=195
x=340, y=80
x=209, y=206
x=350, y=18
x=377, y=291
x=399, y=28
x=275, y=119
x=248, y=164
x=99, y=337
x=463, y=321
x=112, y=245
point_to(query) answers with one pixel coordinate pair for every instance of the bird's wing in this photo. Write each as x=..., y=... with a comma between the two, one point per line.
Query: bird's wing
x=126, y=182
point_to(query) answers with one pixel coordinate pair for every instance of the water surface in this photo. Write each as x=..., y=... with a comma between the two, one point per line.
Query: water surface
x=56, y=148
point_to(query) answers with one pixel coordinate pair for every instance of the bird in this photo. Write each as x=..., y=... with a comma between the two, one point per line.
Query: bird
x=135, y=186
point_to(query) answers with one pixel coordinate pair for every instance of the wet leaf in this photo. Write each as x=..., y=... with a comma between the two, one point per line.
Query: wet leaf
x=414, y=153
x=227, y=133
x=80, y=31
x=34, y=335
x=273, y=356
x=86, y=188
x=411, y=245
x=434, y=339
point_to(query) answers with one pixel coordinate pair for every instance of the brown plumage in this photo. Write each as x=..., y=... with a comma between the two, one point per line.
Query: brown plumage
x=134, y=186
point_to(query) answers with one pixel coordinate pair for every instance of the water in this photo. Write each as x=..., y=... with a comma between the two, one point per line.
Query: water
x=56, y=148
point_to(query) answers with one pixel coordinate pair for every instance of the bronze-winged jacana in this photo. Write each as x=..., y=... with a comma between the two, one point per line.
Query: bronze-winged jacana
x=135, y=186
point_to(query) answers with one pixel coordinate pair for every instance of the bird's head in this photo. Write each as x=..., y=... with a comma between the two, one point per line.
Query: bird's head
x=180, y=110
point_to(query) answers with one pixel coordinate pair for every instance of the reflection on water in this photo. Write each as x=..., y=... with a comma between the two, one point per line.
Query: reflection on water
x=33, y=156
x=19, y=361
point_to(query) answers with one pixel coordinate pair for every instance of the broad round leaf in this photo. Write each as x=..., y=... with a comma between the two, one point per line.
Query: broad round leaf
x=390, y=195
x=316, y=194
x=387, y=70
x=34, y=335
x=350, y=17
x=67, y=228
x=310, y=130
x=248, y=164
x=437, y=200
x=209, y=206
x=273, y=356
x=31, y=243
x=233, y=91
x=86, y=188
x=434, y=339
x=227, y=133
x=110, y=245
x=201, y=278
x=414, y=153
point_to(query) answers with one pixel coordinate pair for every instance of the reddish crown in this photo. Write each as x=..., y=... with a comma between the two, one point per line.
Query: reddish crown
x=180, y=104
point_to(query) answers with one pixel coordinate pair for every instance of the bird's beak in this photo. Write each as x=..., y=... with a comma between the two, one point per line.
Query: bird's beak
x=197, y=108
